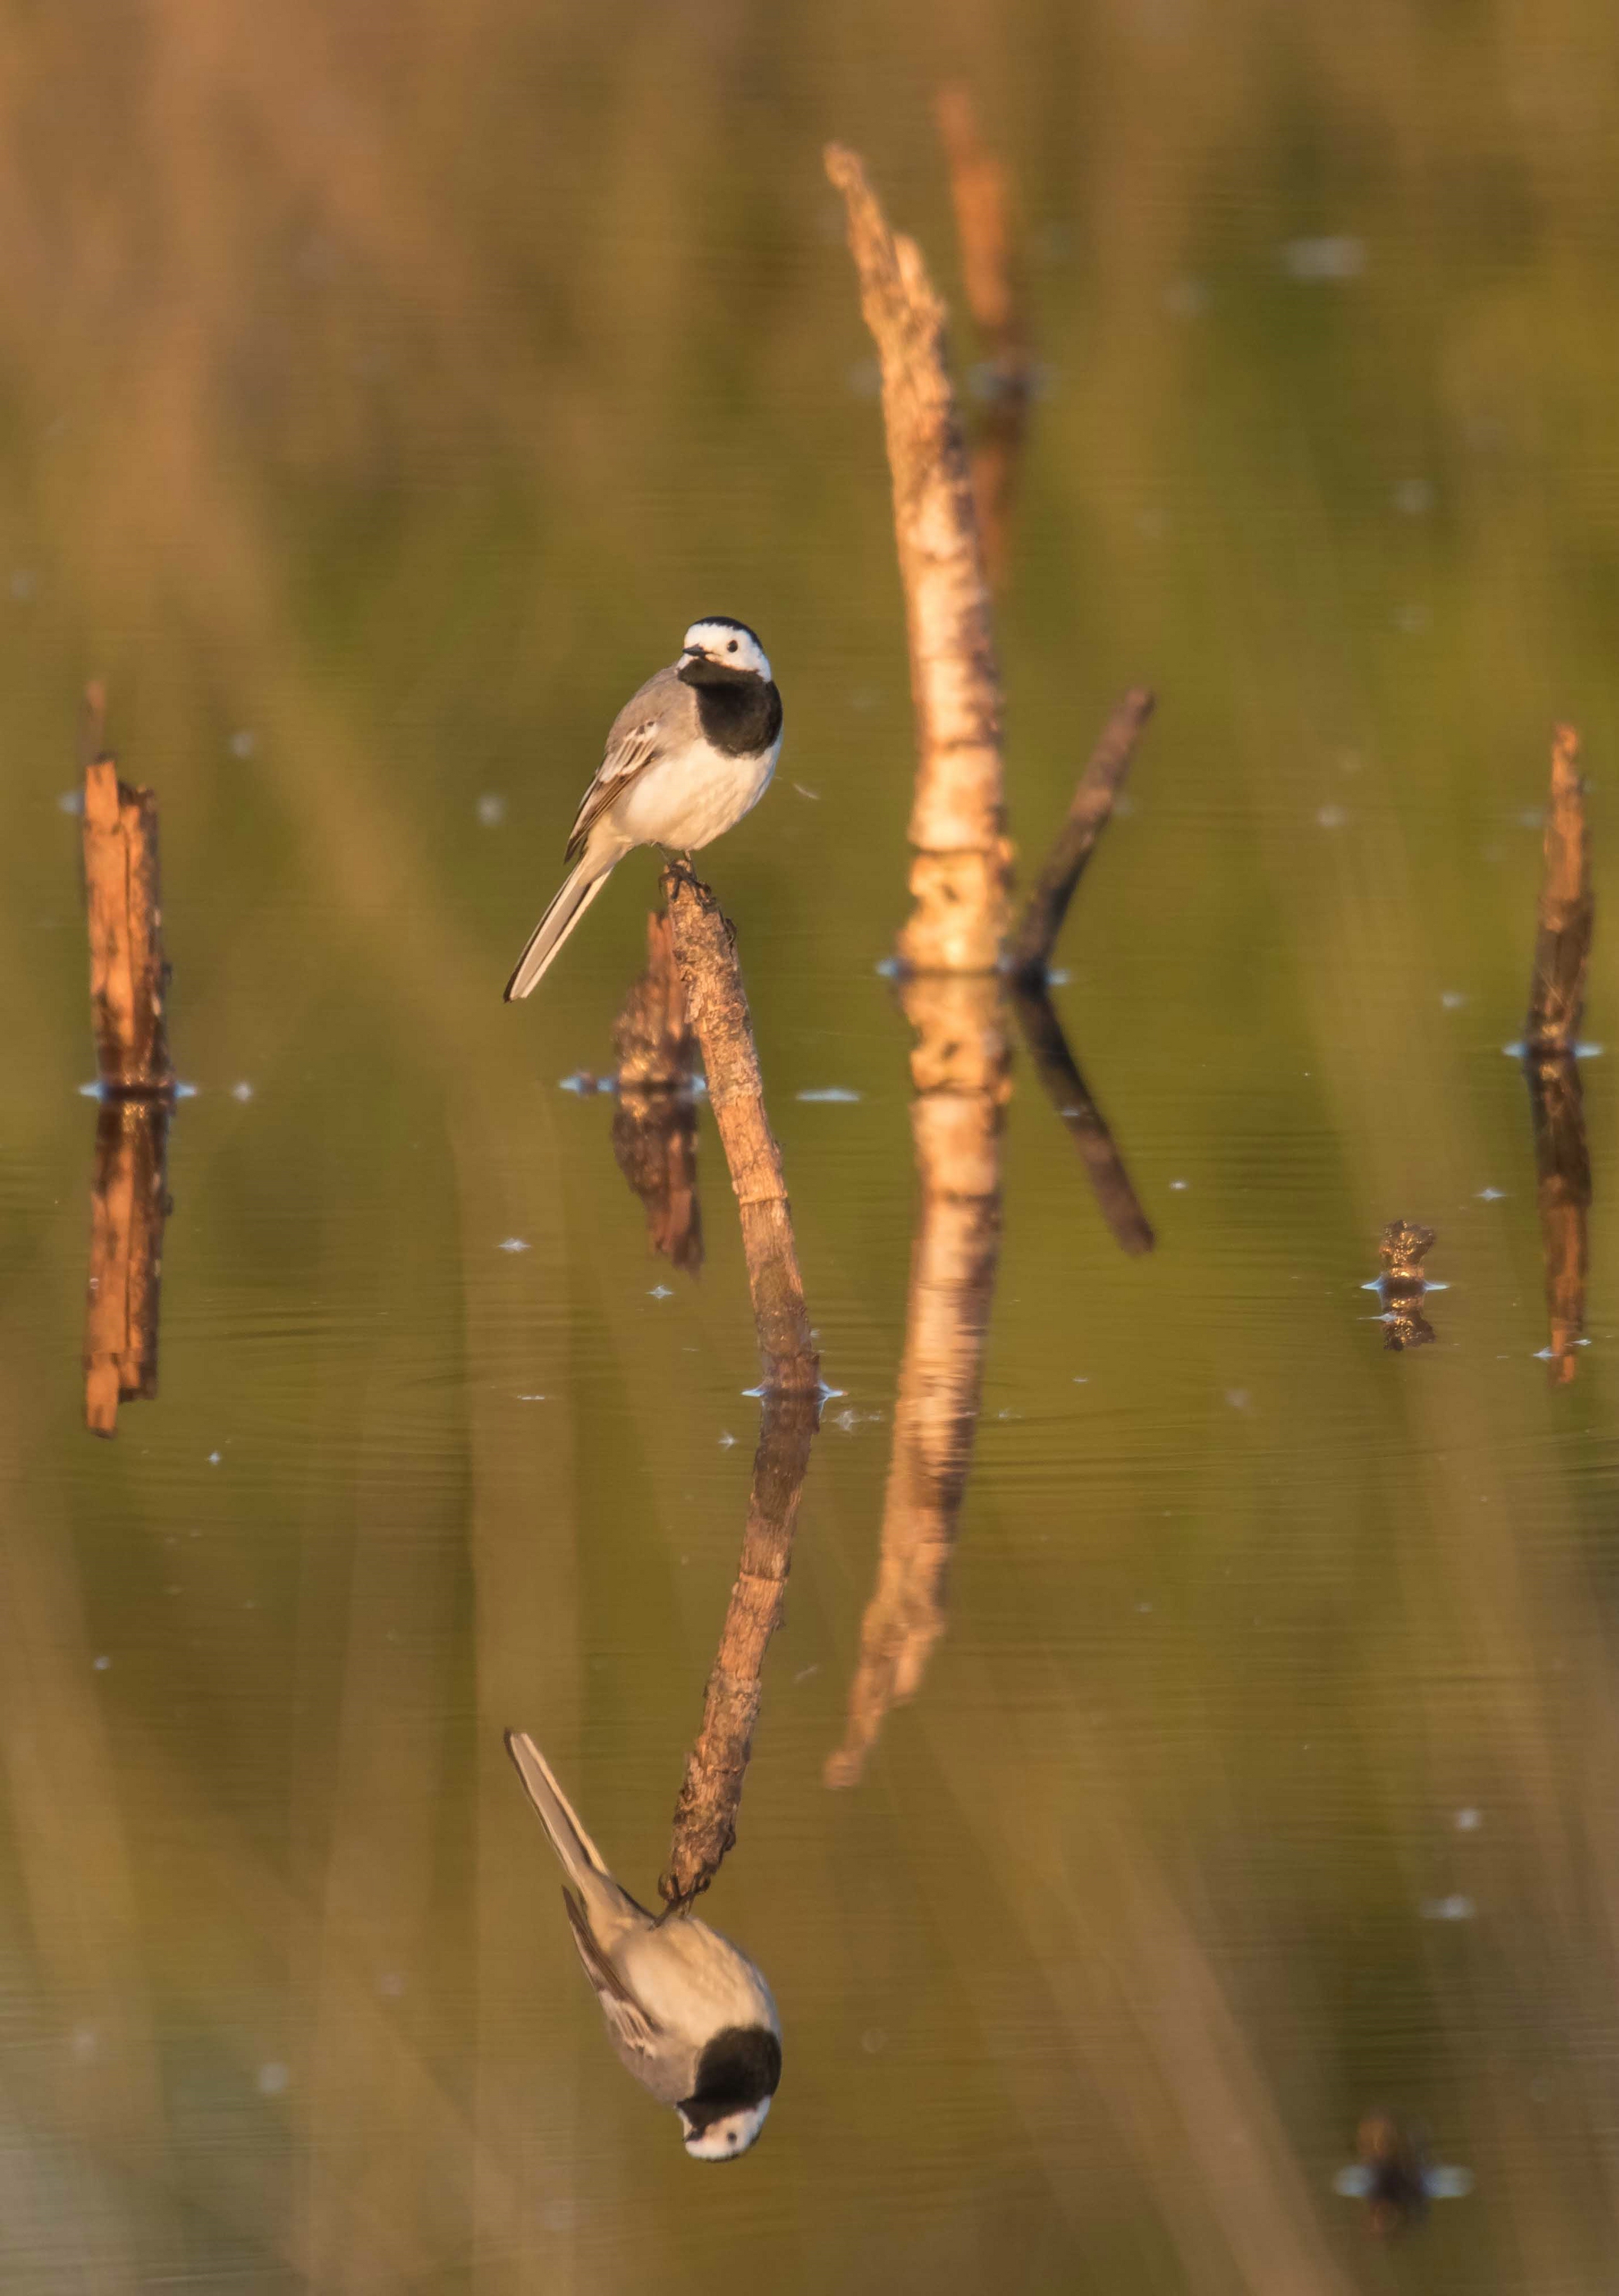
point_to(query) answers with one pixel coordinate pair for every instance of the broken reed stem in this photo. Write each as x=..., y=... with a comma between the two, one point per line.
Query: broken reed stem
x=960, y=1068
x=1563, y=1194
x=1562, y=947
x=129, y=1205
x=711, y=1792
x=704, y=950
x=125, y=920
x=959, y=874
x=1088, y=816
x=980, y=191
x=1070, y=1096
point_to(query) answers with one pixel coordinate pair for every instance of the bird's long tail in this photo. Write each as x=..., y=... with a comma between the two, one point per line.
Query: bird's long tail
x=578, y=889
x=581, y=1859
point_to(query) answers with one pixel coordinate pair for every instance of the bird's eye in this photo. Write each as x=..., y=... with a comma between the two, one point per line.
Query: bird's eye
x=731, y=647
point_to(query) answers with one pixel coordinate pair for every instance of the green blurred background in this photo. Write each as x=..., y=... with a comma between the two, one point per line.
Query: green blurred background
x=381, y=393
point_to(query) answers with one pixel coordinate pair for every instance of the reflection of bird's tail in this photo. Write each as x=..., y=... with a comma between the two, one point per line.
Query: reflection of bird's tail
x=581, y=1859
x=579, y=889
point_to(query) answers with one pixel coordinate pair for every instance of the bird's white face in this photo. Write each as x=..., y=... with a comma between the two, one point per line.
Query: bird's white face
x=730, y=644
x=727, y=2139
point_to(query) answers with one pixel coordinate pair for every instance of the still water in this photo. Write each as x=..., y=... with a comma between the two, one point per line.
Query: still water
x=382, y=398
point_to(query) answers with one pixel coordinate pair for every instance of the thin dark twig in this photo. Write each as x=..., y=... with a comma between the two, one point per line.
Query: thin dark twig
x=1043, y=1032
x=1088, y=816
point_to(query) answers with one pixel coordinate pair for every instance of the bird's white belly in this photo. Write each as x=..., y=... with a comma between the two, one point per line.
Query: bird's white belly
x=689, y=799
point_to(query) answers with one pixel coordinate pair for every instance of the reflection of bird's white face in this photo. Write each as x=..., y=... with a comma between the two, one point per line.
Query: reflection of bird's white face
x=728, y=644
x=727, y=2139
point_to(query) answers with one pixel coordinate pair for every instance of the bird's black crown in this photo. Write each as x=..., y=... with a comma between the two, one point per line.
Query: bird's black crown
x=727, y=622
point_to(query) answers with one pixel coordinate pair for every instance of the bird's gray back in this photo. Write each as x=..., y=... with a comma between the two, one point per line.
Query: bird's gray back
x=663, y=699
x=688, y=1975
x=658, y=717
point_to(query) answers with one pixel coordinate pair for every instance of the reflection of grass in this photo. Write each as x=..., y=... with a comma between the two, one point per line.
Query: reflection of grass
x=399, y=391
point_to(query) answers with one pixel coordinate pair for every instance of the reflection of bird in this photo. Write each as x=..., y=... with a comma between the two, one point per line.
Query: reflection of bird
x=690, y=2015
x=686, y=757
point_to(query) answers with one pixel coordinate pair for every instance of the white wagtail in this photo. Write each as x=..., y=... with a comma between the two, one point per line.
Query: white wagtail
x=686, y=757
x=689, y=2014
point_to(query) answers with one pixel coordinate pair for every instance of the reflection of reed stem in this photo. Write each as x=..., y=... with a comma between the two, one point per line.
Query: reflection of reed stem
x=1563, y=1191
x=1562, y=946
x=129, y=1205
x=705, y=1817
x=959, y=1068
x=652, y=1041
x=705, y=949
x=1087, y=1127
x=125, y=918
x=981, y=194
x=655, y=1121
x=959, y=877
x=1088, y=816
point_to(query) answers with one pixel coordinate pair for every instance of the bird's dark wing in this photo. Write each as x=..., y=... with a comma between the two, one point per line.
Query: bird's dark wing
x=637, y=738
x=636, y=2028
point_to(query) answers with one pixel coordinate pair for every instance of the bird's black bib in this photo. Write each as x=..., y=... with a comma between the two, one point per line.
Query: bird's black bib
x=740, y=714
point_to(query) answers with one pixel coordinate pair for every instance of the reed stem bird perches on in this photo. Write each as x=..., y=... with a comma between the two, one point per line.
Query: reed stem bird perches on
x=704, y=950
x=715, y=1005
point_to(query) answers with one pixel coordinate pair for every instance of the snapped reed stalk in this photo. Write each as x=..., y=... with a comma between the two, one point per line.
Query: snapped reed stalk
x=1566, y=917
x=128, y=980
x=123, y=915
x=961, y=861
x=1562, y=946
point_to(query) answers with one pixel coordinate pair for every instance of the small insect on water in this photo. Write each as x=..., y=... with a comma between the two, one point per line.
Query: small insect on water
x=1396, y=2177
x=1402, y=1286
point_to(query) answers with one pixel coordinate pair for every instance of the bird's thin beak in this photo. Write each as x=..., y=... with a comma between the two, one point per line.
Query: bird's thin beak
x=695, y=653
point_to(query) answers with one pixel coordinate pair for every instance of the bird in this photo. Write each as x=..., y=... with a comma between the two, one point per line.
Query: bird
x=688, y=2012
x=688, y=754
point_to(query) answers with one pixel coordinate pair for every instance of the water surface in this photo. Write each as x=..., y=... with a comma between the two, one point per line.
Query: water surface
x=381, y=401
